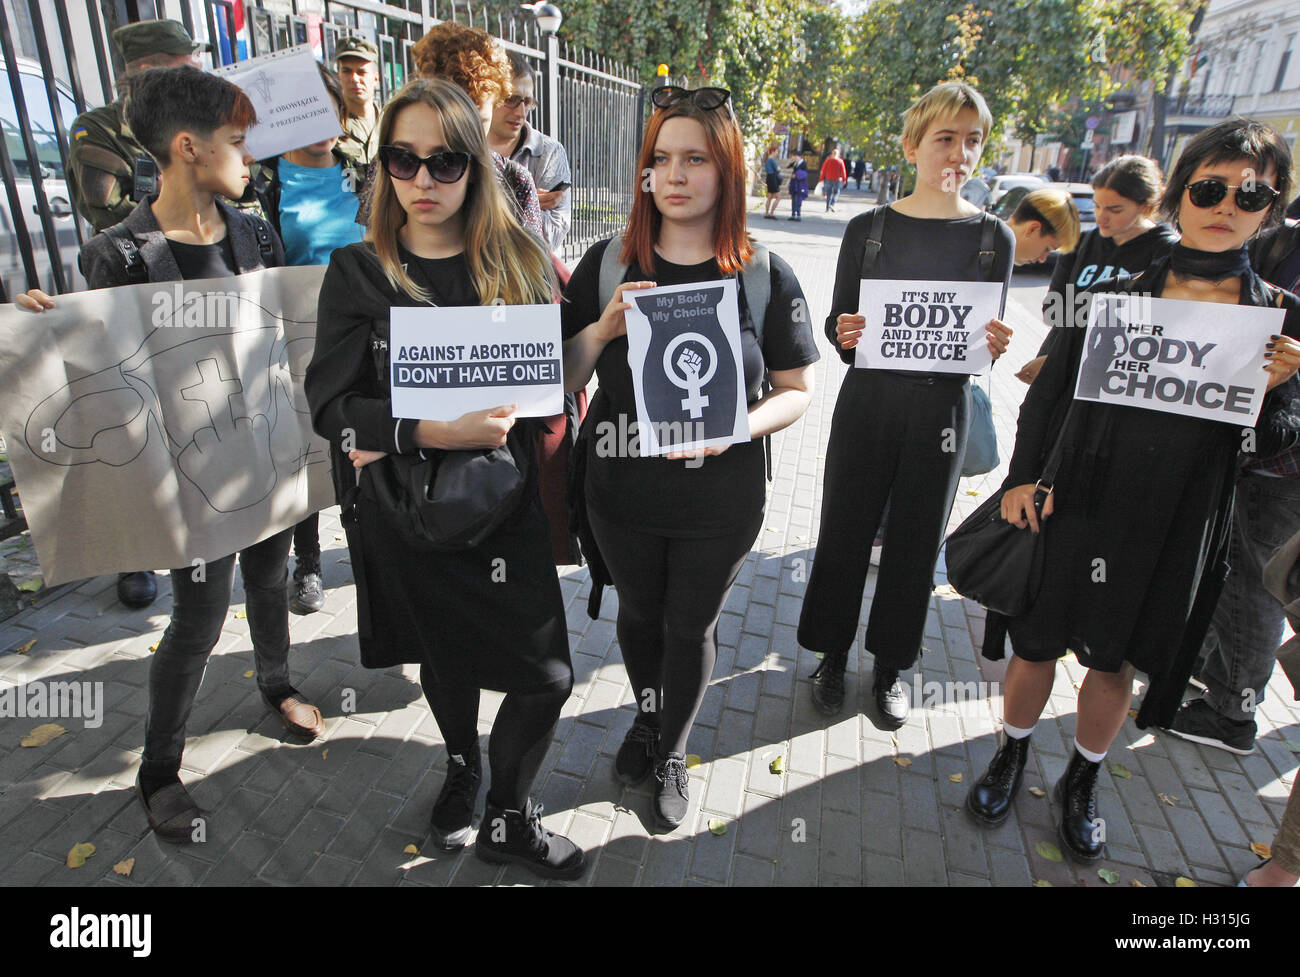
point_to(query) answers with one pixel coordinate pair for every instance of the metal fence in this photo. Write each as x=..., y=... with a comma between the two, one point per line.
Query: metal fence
x=58, y=67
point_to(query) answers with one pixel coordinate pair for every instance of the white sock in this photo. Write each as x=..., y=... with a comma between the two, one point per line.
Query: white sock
x=1015, y=732
x=1088, y=754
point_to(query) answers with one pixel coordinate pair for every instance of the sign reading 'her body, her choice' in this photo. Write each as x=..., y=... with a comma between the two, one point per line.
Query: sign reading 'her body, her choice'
x=928, y=327
x=1198, y=359
x=446, y=362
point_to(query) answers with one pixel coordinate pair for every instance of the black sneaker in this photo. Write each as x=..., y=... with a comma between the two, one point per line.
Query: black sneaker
x=828, y=684
x=636, y=757
x=891, y=697
x=672, y=797
x=1198, y=722
x=507, y=836
x=453, y=811
x=136, y=590
x=308, y=588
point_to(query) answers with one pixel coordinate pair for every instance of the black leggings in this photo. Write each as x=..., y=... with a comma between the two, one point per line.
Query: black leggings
x=670, y=596
x=520, y=735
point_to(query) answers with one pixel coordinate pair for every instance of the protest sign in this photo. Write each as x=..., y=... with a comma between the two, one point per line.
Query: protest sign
x=928, y=327
x=293, y=107
x=1198, y=359
x=446, y=362
x=152, y=426
x=688, y=373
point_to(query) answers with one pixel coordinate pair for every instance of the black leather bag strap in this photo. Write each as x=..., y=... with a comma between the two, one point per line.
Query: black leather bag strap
x=132, y=263
x=988, y=255
x=875, y=240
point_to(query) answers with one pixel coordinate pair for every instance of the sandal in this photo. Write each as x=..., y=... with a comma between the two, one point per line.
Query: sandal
x=171, y=812
x=300, y=718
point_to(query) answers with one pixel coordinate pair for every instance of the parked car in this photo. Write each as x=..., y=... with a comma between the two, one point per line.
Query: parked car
x=1080, y=193
x=12, y=275
x=999, y=185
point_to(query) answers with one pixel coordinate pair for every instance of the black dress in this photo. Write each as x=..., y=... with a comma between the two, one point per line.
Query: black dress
x=1142, y=501
x=491, y=617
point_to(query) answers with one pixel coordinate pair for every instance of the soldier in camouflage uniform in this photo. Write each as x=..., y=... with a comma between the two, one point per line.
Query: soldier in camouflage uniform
x=103, y=151
x=357, y=60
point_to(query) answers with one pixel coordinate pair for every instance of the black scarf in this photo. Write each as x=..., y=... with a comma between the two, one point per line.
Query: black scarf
x=1214, y=266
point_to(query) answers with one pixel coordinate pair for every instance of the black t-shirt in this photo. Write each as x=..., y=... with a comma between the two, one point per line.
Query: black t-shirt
x=205, y=260
x=724, y=493
x=1095, y=259
x=917, y=249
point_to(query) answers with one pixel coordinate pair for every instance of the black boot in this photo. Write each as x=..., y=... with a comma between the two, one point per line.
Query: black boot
x=990, y=797
x=828, y=683
x=453, y=811
x=891, y=697
x=137, y=589
x=1081, y=832
x=507, y=836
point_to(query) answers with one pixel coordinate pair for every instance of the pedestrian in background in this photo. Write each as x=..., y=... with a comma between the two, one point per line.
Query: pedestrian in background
x=859, y=171
x=798, y=186
x=833, y=177
x=772, y=180
x=674, y=532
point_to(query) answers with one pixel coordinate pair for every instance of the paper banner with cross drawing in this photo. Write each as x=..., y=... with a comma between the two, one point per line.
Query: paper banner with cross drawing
x=687, y=369
x=152, y=425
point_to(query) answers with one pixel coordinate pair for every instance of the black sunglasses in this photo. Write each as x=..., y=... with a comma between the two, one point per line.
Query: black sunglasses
x=1208, y=193
x=705, y=98
x=402, y=164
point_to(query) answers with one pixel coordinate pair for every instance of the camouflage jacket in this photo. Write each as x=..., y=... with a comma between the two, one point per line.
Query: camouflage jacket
x=101, y=165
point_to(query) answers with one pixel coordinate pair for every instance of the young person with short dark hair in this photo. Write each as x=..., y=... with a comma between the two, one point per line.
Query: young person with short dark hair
x=673, y=531
x=1145, y=495
x=193, y=124
x=491, y=615
x=892, y=434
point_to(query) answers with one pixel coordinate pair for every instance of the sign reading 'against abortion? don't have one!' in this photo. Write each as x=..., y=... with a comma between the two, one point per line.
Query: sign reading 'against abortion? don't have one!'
x=929, y=327
x=446, y=362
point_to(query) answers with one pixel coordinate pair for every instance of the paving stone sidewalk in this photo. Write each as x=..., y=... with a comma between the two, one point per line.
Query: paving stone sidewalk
x=850, y=805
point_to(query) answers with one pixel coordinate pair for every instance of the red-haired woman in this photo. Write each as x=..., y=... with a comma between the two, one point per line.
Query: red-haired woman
x=674, y=531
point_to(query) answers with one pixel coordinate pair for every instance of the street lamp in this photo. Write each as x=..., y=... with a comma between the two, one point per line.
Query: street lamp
x=547, y=15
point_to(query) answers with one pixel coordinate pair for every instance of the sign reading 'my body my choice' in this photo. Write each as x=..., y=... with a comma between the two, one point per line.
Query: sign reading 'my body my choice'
x=1198, y=359
x=929, y=327
x=446, y=362
x=293, y=107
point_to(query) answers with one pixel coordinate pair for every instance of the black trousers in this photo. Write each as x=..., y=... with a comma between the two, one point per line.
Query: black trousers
x=891, y=436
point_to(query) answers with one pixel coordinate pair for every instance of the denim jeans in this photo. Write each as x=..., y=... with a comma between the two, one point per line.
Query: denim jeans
x=198, y=612
x=832, y=191
x=1239, y=651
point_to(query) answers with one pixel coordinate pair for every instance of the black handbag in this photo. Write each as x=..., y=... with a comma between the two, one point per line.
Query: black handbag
x=993, y=562
x=447, y=500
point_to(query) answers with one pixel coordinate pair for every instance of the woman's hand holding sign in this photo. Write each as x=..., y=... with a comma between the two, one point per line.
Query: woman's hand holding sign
x=478, y=429
x=33, y=300
x=999, y=337
x=848, y=329
x=611, y=323
x=1283, y=355
x=1018, y=506
x=582, y=351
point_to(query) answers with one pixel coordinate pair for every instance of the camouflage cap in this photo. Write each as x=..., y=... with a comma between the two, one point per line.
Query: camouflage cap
x=357, y=47
x=149, y=37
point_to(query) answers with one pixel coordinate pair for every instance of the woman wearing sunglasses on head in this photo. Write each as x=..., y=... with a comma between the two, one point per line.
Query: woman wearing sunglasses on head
x=441, y=233
x=674, y=530
x=1144, y=495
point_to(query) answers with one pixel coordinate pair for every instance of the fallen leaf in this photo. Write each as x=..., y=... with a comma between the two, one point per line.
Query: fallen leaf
x=771, y=529
x=79, y=853
x=1171, y=801
x=903, y=761
x=1135, y=884
x=717, y=827
x=337, y=538
x=1260, y=849
x=817, y=655
x=693, y=760
x=1121, y=771
x=1183, y=882
x=955, y=778
x=777, y=766
x=1049, y=851
x=240, y=615
x=249, y=673
x=1042, y=884
x=410, y=850
x=1037, y=791
x=42, y=734
x=31, y=586
x=971, y=492
x=1107, y=876
x=153, y=648
x=25, y=647
x=1132, y=714
x=124, y=867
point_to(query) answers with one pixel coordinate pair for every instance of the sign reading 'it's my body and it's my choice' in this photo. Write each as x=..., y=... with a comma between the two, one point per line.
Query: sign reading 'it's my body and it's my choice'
x=446, y=362
x=1198, y=359
x=929, y=327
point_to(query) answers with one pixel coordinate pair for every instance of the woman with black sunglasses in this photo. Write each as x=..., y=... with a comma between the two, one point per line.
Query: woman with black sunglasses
x=1138, y=509
x=673, y=531
x=441, y=233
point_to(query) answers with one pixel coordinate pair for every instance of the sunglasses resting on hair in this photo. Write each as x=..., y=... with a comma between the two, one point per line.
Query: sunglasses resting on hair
x=705, y=98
